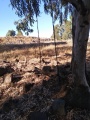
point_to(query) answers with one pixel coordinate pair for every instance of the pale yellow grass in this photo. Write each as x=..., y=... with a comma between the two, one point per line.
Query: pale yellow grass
x=7, y=53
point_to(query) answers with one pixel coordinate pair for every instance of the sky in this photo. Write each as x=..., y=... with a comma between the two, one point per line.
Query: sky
x=8, y=17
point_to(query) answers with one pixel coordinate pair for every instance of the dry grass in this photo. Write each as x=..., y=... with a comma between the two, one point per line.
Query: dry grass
x=8, y=53
x=17, y=90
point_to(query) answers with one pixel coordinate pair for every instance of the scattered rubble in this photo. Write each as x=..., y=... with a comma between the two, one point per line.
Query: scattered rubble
x=30, y=90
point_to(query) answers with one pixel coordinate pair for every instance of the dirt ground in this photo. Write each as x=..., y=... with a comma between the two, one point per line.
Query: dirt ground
x=33, y=76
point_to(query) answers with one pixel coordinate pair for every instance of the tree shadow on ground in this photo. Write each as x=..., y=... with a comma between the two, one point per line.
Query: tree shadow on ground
x=37, y=96
x=9, y=47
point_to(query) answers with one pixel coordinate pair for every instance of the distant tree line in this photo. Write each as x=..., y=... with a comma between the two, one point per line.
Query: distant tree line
x=13, y=33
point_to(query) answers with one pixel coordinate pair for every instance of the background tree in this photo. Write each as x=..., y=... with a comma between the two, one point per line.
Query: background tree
x=63, y=32
x=57, y=32
x=80, y=30
x=11, y=33
x=67, y=33
x=19, y=33
x=23, y=26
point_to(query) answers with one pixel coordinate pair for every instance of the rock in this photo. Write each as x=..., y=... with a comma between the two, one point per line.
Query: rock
x=28, y=86
x=19, y=65
x=1, y=80
x=6, y=69
x=58, y=107
x=26, y=75
x=34, y=61
x=7, y=78
x=16, y=78
x=37, y=70
x=22, y=59
x=28, y=68
x=17, y=60
x=37, y=116
x=46, y=69
x=46, y=60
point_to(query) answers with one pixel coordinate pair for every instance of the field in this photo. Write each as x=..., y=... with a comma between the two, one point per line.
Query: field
x=33, y=76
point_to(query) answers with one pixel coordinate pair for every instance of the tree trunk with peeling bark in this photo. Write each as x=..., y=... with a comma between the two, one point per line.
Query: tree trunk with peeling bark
x=80, y=96
x=80, y=39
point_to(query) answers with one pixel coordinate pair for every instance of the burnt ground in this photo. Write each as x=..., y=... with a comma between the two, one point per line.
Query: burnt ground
x=32, y=86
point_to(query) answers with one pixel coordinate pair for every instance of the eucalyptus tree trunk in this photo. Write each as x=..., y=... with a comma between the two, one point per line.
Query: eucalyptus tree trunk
x=80, y=39
x=74, y=16
x=79, y=96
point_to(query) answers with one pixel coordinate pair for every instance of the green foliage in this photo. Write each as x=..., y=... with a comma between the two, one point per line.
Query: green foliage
x=19, y=33
x=26, y=8
x=31, y=9
x=67, y=33
x=63, y=31
x=23, y=25
x=11, y=33
x=57, y=31
x=52, y=8
x=58, y=9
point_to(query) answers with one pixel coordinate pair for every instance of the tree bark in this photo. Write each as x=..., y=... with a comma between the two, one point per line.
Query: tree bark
x=80, y=39
x=73, y=34
x=79, y=95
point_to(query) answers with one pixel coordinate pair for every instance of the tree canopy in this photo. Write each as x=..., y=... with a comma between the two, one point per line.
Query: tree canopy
x=11, y=33
x=23, y=25
x=31, y=8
